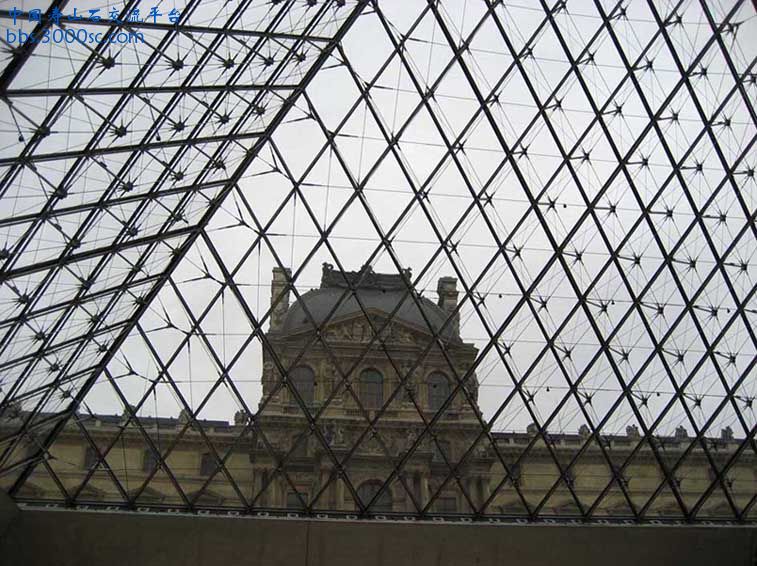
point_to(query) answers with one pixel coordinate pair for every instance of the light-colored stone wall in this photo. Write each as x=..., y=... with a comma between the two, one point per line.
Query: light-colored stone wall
x=539, y=481
x=264, y=469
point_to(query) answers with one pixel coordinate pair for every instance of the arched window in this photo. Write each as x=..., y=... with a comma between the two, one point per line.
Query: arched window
x=516, y=477
x=438, y=390
x=371, y=389
x=299, y=446
x=441, y=450
x=368, y=490
x=446, y=504
x=207, y=464
x=297, y=499
x=303, y=379
x=149, y=462
x=90, y=458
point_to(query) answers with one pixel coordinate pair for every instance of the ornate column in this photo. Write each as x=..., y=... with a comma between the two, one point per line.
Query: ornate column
x=265, y=497
x=339, y=494
x=255, y=483
x=471, y=485
x=424, y=489
x=486, y=489
x=273, y=492
x=324, y=499
x=415, y=488
x=332, y=494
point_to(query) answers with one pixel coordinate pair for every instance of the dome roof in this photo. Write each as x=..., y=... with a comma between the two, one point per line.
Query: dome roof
x=376, y=291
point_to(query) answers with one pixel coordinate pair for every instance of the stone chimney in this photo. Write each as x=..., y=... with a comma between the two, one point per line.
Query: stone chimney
x=127, y=412
x=681, y=433
x=726, y=433
x=279, y=288
x=184, y=417
x=446, y=289
x=240, y=418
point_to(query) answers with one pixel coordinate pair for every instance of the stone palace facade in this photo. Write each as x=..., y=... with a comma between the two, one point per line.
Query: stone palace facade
x=315, y=446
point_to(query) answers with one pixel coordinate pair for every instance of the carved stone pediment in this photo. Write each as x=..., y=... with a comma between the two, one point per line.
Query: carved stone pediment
x=365, y=278
x=357, y=330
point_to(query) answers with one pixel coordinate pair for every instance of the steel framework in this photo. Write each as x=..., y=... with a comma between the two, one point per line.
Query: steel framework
x=584, y=169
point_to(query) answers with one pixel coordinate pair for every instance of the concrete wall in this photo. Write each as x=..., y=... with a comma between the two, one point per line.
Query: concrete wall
x=9, y=514
x=81, y=538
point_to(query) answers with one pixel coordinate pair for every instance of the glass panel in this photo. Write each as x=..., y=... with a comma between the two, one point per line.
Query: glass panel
x=303, y=379
x=368, y=490
x=438, y=390
x=371, y=389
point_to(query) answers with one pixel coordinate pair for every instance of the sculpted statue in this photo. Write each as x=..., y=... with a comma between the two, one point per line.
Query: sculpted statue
x=267, y=375
x=471, y=384
x=328, y=435
x=339, y=436
x=359, y=333
x=409, y=438
x=403, y=336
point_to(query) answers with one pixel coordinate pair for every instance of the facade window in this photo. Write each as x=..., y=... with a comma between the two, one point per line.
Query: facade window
x=299, y=446
x=513, y=507
x=207, y=464
x=295, y=500
x=90, y=458
x=371, y=389
x=446, y=504
x=441, y=449
x=438, y=390
x=515, y=475
x=569, y=477
x=620, y=477
x=368, y=490
x=264, y=493
x=712, y=475
x=149, y=462
x=303, y=379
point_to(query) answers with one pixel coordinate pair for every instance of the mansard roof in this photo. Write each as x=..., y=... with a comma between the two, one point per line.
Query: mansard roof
x=379, y=291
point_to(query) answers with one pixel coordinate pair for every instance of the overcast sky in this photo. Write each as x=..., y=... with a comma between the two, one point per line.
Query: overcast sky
x=325, y=181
